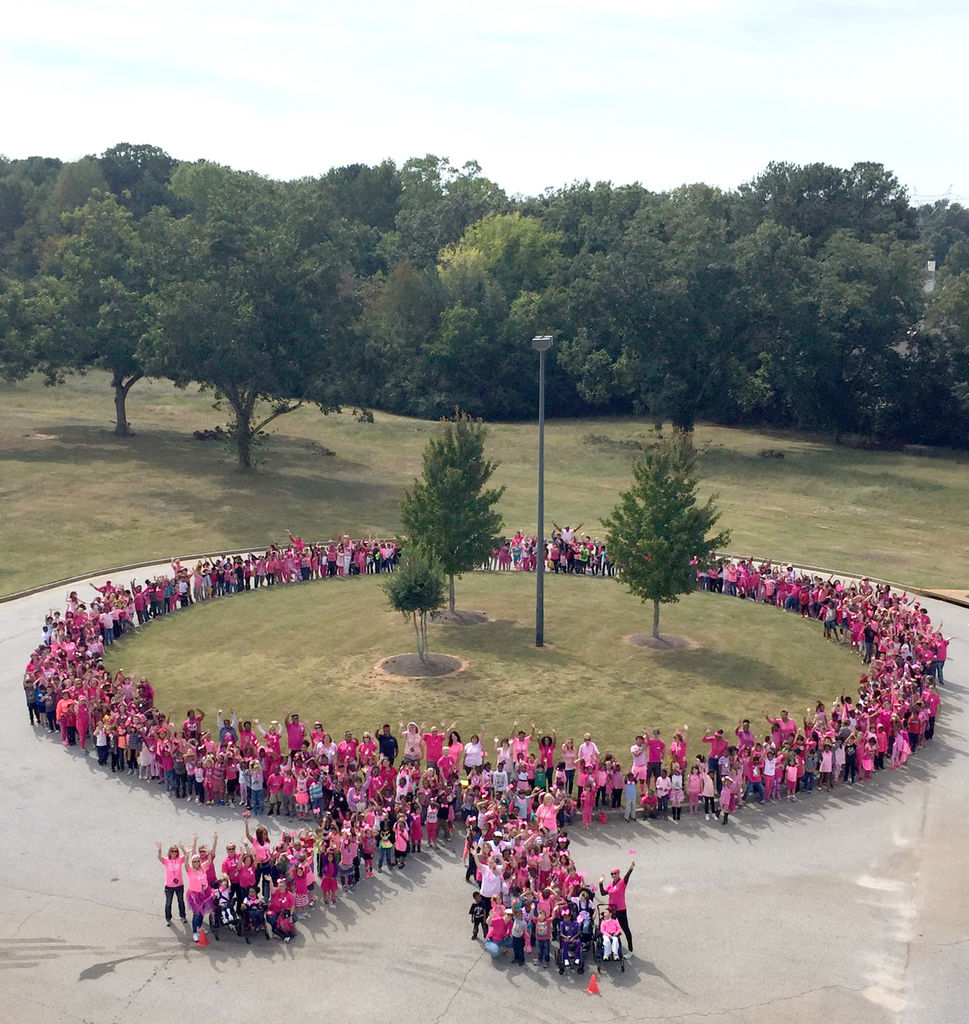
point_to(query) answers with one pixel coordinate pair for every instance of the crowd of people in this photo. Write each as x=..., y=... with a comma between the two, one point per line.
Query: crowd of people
x=364, y=803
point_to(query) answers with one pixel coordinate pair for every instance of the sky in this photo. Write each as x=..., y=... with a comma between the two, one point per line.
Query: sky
x=541, y=94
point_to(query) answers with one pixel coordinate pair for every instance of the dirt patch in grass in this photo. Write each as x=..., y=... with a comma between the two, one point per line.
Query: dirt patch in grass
x=410, y=666
x=663, y=642
x=443, y=617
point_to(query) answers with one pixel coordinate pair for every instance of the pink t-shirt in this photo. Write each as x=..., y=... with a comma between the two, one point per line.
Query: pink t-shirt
x=617, y=894
x=434, y=742
x=173, y=870
x=197, y=878
x=657, y=748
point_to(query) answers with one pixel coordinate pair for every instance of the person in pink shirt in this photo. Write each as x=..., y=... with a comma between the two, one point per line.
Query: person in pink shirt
x=745, y=738
x=638, y=751
x=610, y=929
x=434, y=744
x=694, y=787
x=616, y=891
x=655, y=751
x=174, y=883
x=941, y=653
x=785, y=726
x=295, y=733
x=678, y=748
x=588, y=751
x=718, y=746
x=199, y=891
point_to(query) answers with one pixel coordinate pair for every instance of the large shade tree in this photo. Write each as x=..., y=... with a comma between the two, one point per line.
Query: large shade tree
x=93, y=309
x=259, y=314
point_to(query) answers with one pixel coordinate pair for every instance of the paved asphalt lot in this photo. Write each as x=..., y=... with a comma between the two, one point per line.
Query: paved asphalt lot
x=849, y=907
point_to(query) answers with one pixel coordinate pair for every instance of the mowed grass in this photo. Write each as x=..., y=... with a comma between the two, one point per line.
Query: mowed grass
x=312, y=649
x=73, y=498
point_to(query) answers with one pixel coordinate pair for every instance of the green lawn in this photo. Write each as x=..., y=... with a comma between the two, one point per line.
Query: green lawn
x=312, y=648
x=73, y=498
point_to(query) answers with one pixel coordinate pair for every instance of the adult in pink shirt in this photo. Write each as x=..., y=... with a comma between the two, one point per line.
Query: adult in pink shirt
x=280, y=900
x=655, y=750
x=616, y=891
x=174, y=883
x=745, y=738
x=433, y=745
x=347, y=748
x=718, y=746
x=295, y=733
x=786, y=726
x=941, y=653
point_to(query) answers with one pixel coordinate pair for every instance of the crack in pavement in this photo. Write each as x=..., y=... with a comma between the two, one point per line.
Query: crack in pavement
x=457, y=991
x=151, y=977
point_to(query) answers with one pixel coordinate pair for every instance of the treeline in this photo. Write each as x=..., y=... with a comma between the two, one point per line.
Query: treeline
x=801, y=298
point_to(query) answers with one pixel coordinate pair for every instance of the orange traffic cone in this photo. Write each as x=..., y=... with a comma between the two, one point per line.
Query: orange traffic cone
x=204, y=940
x=593, y=987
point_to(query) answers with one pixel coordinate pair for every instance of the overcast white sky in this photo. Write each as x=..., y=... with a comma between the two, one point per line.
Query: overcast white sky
x=540, y=93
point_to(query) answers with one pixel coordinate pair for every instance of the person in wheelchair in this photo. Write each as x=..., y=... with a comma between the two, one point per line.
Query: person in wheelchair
x=611, y=930
x=570, y=942
x=583, y=911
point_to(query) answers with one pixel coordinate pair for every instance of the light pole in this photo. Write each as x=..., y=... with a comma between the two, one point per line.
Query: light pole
x=541, y=344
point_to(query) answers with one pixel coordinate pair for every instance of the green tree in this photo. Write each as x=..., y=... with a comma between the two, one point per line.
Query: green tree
x=260, y=311
x=437, y=203
x=658, y=528
x=17, y=357
x=97, y=301
x=778, y=299
x=947, y=321
x=817, y=200
x=870, y=297
x=942, y=226
x=414, y=590
x=670, y=340
x=450, y=513
x=138, y=175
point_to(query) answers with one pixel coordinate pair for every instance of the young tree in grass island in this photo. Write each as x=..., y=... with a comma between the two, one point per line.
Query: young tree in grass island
x=658, y=531
x=416, y=588
x=449, y=513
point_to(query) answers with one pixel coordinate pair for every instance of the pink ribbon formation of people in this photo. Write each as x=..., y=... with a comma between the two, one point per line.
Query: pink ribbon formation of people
x=357, y=805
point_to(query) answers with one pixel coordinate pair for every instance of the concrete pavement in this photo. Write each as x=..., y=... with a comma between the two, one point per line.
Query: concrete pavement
x=852, y=905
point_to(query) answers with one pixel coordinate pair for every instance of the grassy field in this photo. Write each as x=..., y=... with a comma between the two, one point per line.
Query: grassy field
x=74, y=498
x=312, y=649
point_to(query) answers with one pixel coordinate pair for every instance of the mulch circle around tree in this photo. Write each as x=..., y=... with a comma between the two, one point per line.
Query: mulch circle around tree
x=664, y=642
x=410, y=666
x=443, y=617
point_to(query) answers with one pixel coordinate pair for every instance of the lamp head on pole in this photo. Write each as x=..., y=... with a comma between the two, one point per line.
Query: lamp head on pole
x=542, y=343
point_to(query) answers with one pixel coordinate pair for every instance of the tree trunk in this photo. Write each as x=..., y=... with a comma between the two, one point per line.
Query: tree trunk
x=420, y=628
x=121, y=389
x=417, y=634
x=684, y=434
x=450, y=591
x=655, y=619
x=243, y=436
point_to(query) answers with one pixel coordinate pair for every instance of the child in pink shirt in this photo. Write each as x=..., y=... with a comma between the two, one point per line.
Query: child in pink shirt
x=610, y=929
